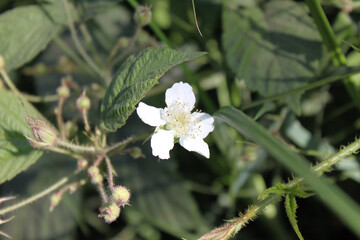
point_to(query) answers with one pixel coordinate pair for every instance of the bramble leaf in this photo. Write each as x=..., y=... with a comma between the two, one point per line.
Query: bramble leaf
x=137, y=75
x=290, y=207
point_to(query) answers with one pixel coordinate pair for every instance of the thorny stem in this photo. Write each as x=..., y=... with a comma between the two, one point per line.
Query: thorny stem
x=78, y=44
x=76, y=148
x=45, y=192
x=116, y=148
x=230, y=229
x=110, y=176
x=102, y=193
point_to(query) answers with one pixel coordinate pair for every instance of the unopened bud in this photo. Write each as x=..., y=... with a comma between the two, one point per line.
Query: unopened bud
x=110, y=212
x=55, y=199
x=82, y=164
x=45, y=135
x=2, y=62
x=142, y=16
x=121, y=195
x=95, y=176
x=136, y=152
x=83, y=102
x=63, y=91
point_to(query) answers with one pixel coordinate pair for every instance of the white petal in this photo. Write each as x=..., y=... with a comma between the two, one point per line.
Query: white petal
x=161, y=143
x=204, y=125
x=196, y=145
x=181, y=93
x=150, y=115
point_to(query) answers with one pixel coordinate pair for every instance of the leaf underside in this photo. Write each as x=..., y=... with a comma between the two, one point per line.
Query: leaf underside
x=16, y=154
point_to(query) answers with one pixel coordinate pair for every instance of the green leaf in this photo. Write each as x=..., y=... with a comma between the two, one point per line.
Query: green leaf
x=137, y=75
x=26, y=31
x=290, y=207
x=345, y=207
x=16, y=154
x=282, y=189
x=275, y=47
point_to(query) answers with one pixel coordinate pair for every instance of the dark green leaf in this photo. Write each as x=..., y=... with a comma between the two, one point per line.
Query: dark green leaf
x=16, y=154
x=26, y=31
x=136, y=76
x=290, y=207
x=330, y=194
x=275, y=48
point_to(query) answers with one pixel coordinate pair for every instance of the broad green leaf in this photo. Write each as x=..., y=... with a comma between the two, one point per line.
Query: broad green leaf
x=16, y=154
x=275, y=47
x=345, y=207
x=26, y=31
x=137, y=75
x=290, y=207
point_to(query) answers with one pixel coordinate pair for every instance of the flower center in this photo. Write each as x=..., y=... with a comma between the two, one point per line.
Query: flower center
x=179, y=119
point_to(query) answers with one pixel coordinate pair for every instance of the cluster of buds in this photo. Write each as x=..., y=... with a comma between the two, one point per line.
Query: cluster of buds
x=95, y=176
x=142, y=16
x=45, y=135
x=120, y=197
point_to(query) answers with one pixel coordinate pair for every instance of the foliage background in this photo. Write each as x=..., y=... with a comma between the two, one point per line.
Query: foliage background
x=255, y=49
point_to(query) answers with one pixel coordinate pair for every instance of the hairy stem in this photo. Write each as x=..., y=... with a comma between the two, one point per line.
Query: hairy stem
x=76, y=148
x=45, y=192
x=110, y=176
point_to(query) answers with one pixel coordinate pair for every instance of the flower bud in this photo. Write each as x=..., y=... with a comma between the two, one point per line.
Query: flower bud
x=45, y=135
x=63, y=91
x=83, y=102
x=123, y=42
x=136, y=153
x=121, y=195
x=110, y=212
x=82, y=164
x=55, y=199
x=70, y=129
x=2, y=62
x=142, y=16
x=95, y=176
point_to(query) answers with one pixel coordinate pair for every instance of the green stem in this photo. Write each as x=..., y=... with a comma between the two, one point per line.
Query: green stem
x=235, y=225
x=333, y=46
x=189, y=75
x=38, y=99
x=89, y=40
x=76, y=148
x=48, y=190
x=110, y=176
x=337, y=76
x=117, y=147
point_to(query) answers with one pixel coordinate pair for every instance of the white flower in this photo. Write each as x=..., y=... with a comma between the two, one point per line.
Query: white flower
x=176, y=123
